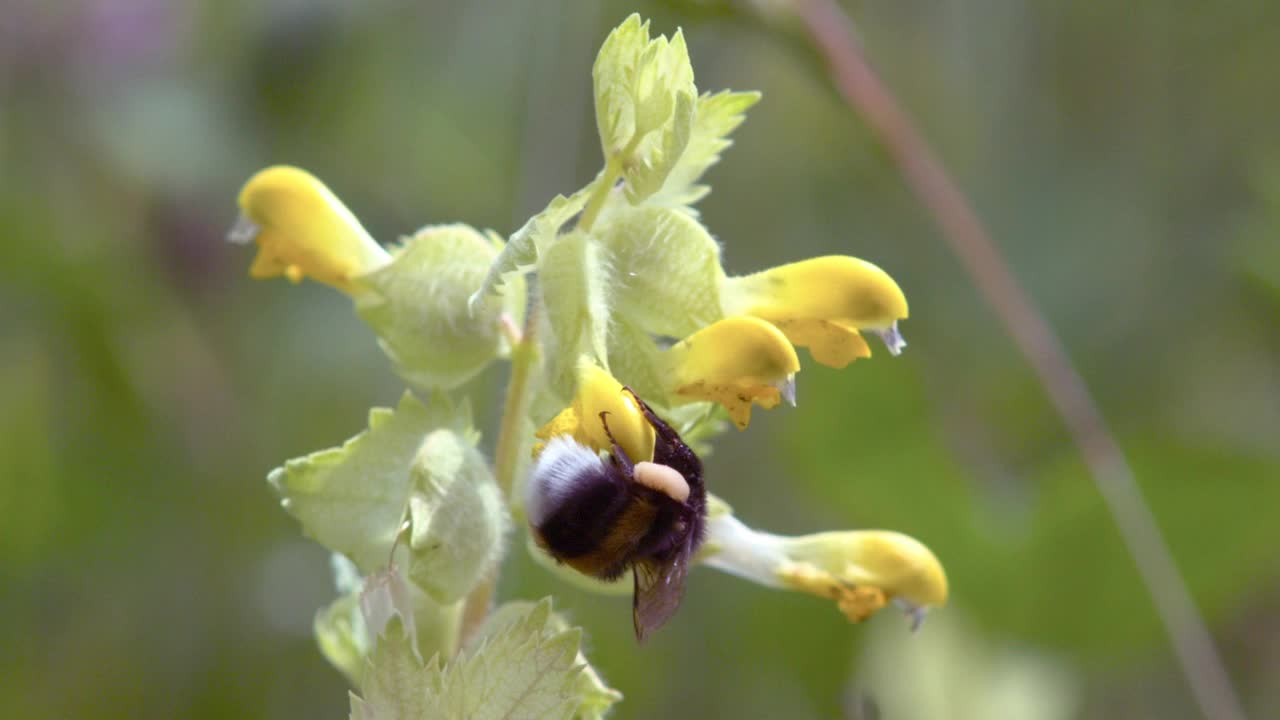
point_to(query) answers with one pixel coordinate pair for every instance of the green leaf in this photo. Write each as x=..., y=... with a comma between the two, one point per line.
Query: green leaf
x=635, y=355
x=525, y=663
x=395, y=683
x=669, y=269
x=659, y=152
x=645, y=98
x=717, y=116
x=340, y=632
x=352, y=499
x=574, y=282
x=535, y=236
x=594, y=697
x=347, y=629
x=418, y=306
x=456, y=515
x=417, y=464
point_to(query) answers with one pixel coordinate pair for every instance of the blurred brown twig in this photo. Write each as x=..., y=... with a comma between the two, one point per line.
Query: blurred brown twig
x=830, y=30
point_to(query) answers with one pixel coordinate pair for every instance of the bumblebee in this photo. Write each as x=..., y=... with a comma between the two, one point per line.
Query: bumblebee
x=605, y=515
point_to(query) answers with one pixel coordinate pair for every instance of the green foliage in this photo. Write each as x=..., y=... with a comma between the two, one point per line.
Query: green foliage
x=524, y=664
x=521, y=252
x=456, y=515
x=417, y=464
x=665, y=270
x=645, y=100
x=573, y=282
x=438, y=268
x=716, y=117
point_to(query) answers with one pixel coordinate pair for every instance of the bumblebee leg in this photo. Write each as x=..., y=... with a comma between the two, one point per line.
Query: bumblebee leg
x=619, y=455
x=670, y=450
x=663, y=429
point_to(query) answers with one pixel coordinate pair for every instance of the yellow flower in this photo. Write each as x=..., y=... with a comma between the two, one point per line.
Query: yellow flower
x=822, y=304
x=861, y=570
x=303, y=230
x=598, y=392
x=736, y=362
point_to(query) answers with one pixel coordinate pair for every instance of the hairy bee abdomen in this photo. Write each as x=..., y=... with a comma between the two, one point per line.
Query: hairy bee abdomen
x=585, y=512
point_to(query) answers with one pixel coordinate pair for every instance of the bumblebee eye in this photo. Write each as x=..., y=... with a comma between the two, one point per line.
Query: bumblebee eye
x=563, y=470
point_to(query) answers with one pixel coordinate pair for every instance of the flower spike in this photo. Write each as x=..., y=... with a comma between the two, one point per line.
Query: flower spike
x=303, y=230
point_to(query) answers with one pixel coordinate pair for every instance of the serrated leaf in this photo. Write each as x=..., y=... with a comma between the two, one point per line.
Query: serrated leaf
x=348, y=628
x=594, y=697
x=418, y=304
x=574, y=282
x=645, y=98
x=717, y=116
x=395, y=684
x=522, y=249
x=416, y=463
x=352, y=498
x=524, y=664
x=659, y=153
x=670, y=275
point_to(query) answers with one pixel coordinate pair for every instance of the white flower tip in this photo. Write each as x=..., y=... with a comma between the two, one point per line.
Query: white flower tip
x=787, y=386
x=243, y=232
x=892, y=339
x=915, y=613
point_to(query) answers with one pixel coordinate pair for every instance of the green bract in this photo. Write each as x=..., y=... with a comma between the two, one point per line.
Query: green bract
x=416, y=465
x=521, y=252
x=574, y=287
x=456, y=515
x=438, y=268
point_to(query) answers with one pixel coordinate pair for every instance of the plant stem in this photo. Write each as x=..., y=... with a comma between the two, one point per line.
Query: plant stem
x=831, y=32
x=511, y=444
x=600, y=194
x=507, y=455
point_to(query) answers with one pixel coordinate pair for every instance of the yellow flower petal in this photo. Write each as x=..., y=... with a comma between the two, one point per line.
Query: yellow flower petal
x=861, y=570
x=857, y=602
x=735, y=362
x=897, y=564
x=598, y=392
x=302, y=229
x=822, y=303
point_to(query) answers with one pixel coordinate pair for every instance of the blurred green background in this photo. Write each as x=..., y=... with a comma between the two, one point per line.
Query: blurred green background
x=1125, y=155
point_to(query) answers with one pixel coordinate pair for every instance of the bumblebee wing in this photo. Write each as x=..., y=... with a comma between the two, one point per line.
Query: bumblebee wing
x=659, y=587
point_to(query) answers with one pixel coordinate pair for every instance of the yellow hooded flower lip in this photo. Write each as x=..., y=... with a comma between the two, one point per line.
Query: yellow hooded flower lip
x=736, y=362
x=843, y=563
x=861, y=570
x=822, y=303
x=303, y=230
x=598, y=392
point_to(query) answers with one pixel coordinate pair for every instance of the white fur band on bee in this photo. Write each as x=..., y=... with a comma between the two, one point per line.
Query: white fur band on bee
x=562, y=464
